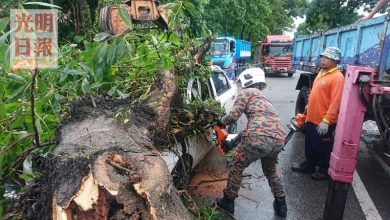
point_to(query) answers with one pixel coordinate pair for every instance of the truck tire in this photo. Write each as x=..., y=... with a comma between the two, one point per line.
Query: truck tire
x=302, y=99
x=181, y=174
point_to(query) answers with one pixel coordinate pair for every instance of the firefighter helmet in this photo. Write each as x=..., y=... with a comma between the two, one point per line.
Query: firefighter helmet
x=252, y=76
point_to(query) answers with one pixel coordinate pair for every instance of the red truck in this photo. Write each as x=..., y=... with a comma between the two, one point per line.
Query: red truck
x=274, y=54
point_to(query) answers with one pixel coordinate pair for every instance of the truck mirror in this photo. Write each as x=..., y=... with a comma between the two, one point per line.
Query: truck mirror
x=232, y=46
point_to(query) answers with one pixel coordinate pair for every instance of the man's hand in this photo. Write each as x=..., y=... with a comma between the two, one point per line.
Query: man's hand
x=363, y=19
x=227, y=145
x=219, y=122
x=322, y=128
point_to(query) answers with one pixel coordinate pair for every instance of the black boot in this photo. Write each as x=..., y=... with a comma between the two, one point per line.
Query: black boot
x=280, y=206
x=303, y=167
x=226, y=203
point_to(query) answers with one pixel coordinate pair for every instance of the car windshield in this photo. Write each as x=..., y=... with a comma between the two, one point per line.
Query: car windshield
x=277, y=51
x=220, y=47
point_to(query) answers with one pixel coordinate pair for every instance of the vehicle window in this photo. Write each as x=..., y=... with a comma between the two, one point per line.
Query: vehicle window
x=220, y=82
x=205, y=91
x=278, y=51
x=220, y=47
x=195, y=90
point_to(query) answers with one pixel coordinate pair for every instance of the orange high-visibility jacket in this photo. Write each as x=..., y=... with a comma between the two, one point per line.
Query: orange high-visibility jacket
x=325, y=97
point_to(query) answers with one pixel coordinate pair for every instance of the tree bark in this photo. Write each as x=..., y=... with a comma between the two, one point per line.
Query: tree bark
x=103, y=168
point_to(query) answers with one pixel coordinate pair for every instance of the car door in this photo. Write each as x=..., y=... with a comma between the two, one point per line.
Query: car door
x=199, y=145
x=224, y=90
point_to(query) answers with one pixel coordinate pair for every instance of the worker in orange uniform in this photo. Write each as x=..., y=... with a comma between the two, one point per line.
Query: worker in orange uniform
x=322, y=110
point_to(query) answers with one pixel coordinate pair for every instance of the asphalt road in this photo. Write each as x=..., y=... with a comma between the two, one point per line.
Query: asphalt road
x=305, y=197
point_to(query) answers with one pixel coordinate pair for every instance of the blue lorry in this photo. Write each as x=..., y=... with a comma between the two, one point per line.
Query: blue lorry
x=365, y=62
x=231, y=54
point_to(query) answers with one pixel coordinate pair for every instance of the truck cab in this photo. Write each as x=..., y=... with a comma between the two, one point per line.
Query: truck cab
x=274, y=54
x=230, y=54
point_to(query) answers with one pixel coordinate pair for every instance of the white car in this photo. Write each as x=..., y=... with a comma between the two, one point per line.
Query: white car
x=193, y=149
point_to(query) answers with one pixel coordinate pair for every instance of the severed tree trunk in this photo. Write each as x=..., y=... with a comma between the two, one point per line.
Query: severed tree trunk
x=104, y=169
x=106, y=164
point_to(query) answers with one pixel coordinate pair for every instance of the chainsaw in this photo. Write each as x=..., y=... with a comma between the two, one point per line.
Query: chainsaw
x=223, y=144
x=296, y=124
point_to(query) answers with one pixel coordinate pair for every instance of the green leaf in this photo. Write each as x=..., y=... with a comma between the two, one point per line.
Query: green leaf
x=4, y=37
x=101, y=36
x=121, y=94
x=111, y=92
x=42, y=4
x=174, y=39
x=11, y=107
x=17, y=93
x=5, y=52
x=21, y=120
x=42, y=86
x=190, y=7
x=100, y=64
x=85, y=86
x=86, y=68
x=111, y=54
x=154, y=40
x=78, y=39
x=2, y=111
x=30, y=176
x=63, y=76
x=39, y=126
x=17, y=78
x=124, y=14
x=3, y=23
x=120, y=50
x=51, y=118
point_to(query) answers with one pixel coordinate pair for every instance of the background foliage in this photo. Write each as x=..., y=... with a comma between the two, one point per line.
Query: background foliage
x=327, y=14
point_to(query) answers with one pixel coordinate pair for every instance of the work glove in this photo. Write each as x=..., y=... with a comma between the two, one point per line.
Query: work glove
x=227, y=146
x=322, y=128
x=219, y=122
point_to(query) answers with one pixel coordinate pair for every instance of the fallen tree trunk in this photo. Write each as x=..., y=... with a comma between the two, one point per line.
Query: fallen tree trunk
x=106, y=165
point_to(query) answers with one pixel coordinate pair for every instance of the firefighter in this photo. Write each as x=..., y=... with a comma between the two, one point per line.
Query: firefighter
x=322, y=110
x=262, y=139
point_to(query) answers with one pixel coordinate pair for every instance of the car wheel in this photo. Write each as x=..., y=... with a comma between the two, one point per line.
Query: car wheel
x=232, y=129
x=290, y=74
x=181, y=174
